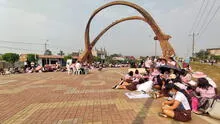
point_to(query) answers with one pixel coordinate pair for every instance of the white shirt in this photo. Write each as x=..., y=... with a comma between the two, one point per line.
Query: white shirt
x=182, y=99
x=211, y=82
x=192, y=83
x=78, y=66
x=181, y=86
x=146, y=86
x=148, y=63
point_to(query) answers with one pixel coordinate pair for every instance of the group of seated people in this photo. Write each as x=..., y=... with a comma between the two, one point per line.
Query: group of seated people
x=183, y=94
x=46, y=68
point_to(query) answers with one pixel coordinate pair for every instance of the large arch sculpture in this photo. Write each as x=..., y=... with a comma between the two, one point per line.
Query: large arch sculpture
x=167, y=49
x=92, y=44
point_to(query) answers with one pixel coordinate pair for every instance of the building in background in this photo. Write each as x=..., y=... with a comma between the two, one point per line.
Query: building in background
x=214, y=51
x=23, y=58
x=50, y=59
x=102, y=53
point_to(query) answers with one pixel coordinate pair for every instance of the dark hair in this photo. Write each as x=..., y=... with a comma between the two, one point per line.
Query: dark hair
x=141, y=81
x=159, y=59
x=130, y=73
x=171, y=58
x=183, y=72
x=147, y=71
x=173, y=86
x=164, y=60
x=177, y=79
x=203, y=83
x=136, y=71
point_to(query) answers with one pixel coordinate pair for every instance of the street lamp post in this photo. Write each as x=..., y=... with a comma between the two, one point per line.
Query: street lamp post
x=155, y=49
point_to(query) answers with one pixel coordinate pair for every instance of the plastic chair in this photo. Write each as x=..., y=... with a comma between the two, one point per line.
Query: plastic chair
x=78, y=72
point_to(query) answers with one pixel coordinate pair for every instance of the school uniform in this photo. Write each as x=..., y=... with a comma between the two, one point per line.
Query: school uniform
x=183, y=112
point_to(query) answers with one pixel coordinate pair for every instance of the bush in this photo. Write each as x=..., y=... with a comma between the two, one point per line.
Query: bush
x=10, y=57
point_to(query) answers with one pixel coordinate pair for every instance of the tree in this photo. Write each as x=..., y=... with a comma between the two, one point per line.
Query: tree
x=217, y=58
x=10, y=57
x=32, y=58
x=115, y=55
x=202, y=54
x=61, y=53
x=47, y=52
x=97, y=59
x=1, y=57
x=67, y=57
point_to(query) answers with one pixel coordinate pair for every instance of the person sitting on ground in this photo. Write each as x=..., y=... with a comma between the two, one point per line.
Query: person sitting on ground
x=129, y=77
x=163, y=62
x=146, y=86
x=137, y=75
x=177, y=108
x=198, y=75
x=185, y=76
x=205, y=91
x=148, y=63
x=158, y=80
x=163, y=90
x=130, y=86
x=171, y=62
x=158, y=62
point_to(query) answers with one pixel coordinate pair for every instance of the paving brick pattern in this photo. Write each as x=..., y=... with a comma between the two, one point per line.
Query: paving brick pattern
x=58, y=98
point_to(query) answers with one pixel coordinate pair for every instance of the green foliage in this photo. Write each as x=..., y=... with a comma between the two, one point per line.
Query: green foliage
x=32, y=58
x=202, y=54
x=47, y=52
x=67, y=57
x=1, y=57
x=10, y=57
x=115, y=55
x=97, y=59
x=61, y=53
x=215, y=57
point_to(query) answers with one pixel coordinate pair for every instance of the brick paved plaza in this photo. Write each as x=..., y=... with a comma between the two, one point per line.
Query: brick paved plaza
x=58, y=98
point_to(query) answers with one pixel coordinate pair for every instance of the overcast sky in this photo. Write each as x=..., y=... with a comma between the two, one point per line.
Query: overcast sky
x=62, y=23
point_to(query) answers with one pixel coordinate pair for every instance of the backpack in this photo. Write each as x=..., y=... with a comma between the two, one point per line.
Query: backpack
x=213, y=107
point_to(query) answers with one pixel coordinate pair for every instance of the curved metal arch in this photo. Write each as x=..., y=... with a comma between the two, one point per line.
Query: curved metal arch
x=92, y=44
x=163, y=38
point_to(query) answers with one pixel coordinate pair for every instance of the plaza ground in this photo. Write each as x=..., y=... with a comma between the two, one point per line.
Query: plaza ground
x=58, y=98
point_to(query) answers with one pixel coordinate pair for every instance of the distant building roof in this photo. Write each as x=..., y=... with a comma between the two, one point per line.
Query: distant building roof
x=213, y=49
x=119, y=58
x=50, y=56
x=130, y=57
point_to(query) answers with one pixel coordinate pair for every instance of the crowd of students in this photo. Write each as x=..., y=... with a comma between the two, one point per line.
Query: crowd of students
x=185, y=90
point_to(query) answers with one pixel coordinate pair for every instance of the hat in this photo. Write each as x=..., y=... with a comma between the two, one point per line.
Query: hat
x=199, y=75
x=192, y=83
x=180, y=85
x=172, y=76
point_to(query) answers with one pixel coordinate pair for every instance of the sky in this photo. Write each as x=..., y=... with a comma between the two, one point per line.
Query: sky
x=61, y=24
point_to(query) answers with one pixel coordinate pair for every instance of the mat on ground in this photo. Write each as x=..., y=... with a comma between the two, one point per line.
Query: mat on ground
x=137, y=95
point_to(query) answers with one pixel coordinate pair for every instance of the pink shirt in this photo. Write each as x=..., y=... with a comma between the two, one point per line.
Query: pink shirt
x=209, y=93
x=187, y=78
x=128, y=77
x=137, y=76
